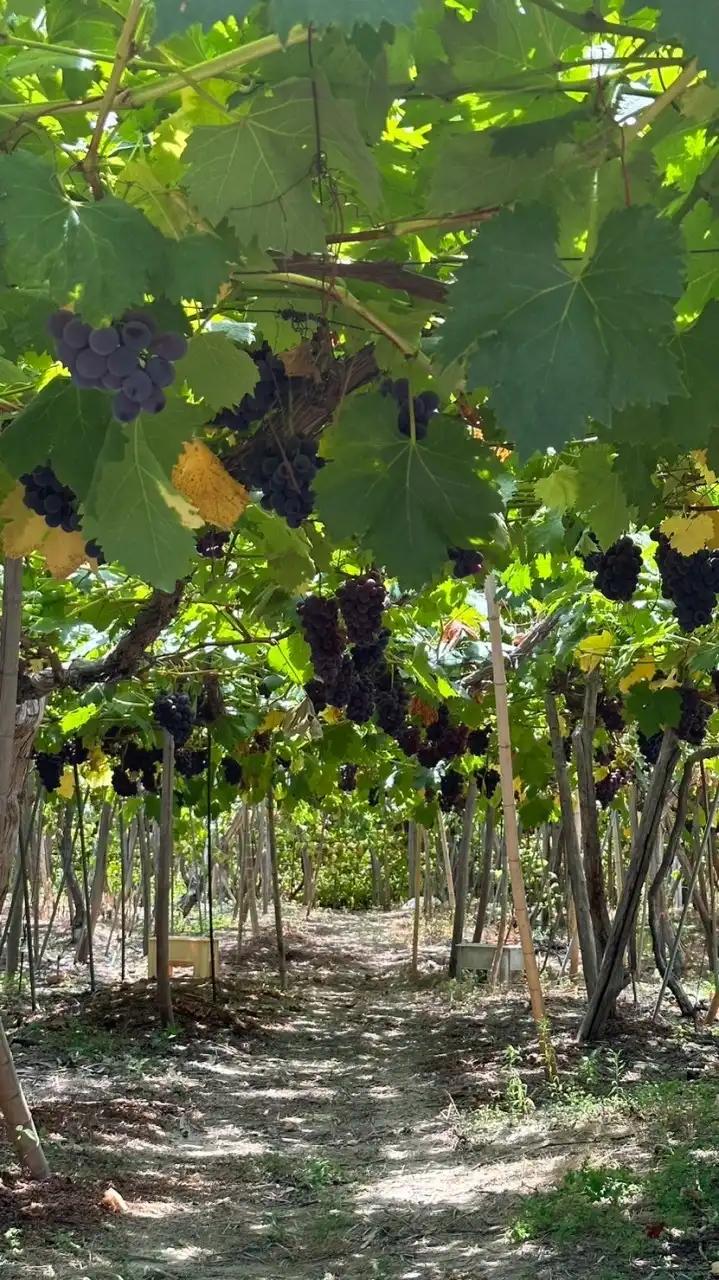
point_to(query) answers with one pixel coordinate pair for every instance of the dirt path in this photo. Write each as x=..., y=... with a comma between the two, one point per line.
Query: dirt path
x=317, y=1144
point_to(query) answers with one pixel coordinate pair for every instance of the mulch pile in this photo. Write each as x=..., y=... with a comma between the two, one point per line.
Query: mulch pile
x=58, y=1202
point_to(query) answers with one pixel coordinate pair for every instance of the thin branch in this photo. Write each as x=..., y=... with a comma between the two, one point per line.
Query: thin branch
x=138, y=95
x=655, y=109
x=415, y=226
x=590, y=21
x=125, y=48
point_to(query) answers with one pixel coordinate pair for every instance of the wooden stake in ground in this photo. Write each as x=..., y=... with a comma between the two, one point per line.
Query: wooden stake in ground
x=162, y=888
x=462, y=885
x=511, y=833
x=446, y=862
x=272, y=846
x=414, y=859
x=85, y=874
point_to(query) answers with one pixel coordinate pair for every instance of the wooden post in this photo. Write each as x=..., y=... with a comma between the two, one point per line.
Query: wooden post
x=162, y=890
x=446, y=862
x=272, y=850
x=461, y=887
x=414, y=859
x=510, y=814
x=486, y=877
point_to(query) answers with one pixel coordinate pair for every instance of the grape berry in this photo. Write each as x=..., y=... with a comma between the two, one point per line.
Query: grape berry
x=425, y=406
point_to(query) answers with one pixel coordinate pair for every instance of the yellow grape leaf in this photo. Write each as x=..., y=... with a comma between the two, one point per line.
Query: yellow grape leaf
x=66, y=788
x=272, y=720
x=187, y=513
x=332, y=715
x=590, y=652
x=24, y=531
x=640, y=673
x=700, y=457
x=98, y=769
x=202, y=479
x=689, y=534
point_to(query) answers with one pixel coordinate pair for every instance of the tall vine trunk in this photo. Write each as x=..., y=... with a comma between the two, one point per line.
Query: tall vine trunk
x=16, y=1113
x=76, y=905
x=486, y=877
x=102, y=844
x=162, y=891
x=462, y=878
x=575, y=869
x=146, y=873
x=10, y=631
x=583, y=741
x=610, y=981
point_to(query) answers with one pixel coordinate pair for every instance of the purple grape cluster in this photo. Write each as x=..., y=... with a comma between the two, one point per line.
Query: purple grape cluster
x=425, y=406
x=283, y=471
x=608, y=787
x=617, y=569
x=122, y=784
x=50, y=768
x=451, y=790
x=212, y=545
x=467, y=563
x=173, y=712
x=487, y=781
x=129, y=358
x=271, y=391
x=232, y=770
x=694, y=716
x=690, y=582
x=348, y=777
x=362, y=601
x=189, y=763
x=57, y=504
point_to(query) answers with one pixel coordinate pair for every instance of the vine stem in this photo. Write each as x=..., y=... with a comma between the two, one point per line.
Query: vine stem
x=590, y=22
x=655, y=109
x=88, y=55
x=125, y=47
x=338, y=293
x=138, y=95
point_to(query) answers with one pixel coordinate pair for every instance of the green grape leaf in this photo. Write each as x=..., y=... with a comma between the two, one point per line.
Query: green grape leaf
x=685, y=421
x=129, y=511
x=407, y=503
x=538, y=135
x=601, y=497
x=64, y=425
x=653, y=709
x=195, y=268
x=692, y=23
x=468, y=173
x=218, y=371
x=560, y=489
x=257, y=173
x=107, y=250
x=23, y=317
x=166, y=432
x=172, y=16
x=558, y=349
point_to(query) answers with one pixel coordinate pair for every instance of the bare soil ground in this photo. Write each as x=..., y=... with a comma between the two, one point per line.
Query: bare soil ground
x=325, y=1134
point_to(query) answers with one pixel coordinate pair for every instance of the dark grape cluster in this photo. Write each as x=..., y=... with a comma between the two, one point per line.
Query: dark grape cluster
x=360, y=703
x=487, y=781
x=57, y=504
x=617, y=569
x=650, y=746
x=609, y=713
x=173, y=712
x=316, y=691
x=466, y=562
x=605, y=755
x=338, y=690
x=694, y=716
x=690, y=582
x=425, y=406
x=361, y=601
x=367, y=657
x=478, y=741
x=391, y=701
x=410, y=740
x=122, y=784
x=74, y=751
x=283, y=471
x=373, y=797
x=451, y=791
x=129, y=358
x=269, y=392
x=232, y=770
x=608, y=787
x=319, y=616
x=348, y=777
x=212, y=544
x=50, y=768
x=190, y=763
x=449, y=739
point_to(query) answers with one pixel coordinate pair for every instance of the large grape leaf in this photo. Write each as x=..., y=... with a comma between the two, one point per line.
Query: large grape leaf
x=176, y=15
x=196, y=266
x=257, y=173
x=692, y=23
x=686, y=421
x=407, y=503
x=133, y=511
x=64, y=425
x=601, y=497
x=107, y=250
x=653, y=709
x=166, y=432
x=218, y=371
x=556, y=348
